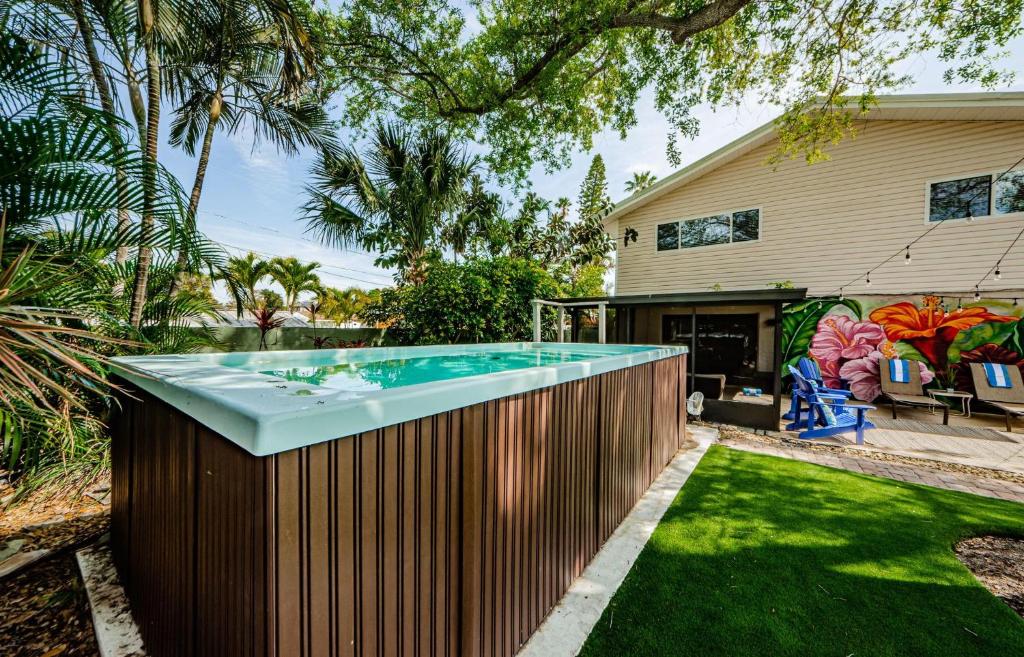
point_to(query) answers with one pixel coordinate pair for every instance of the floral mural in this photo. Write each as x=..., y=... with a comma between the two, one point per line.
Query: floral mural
x=848, y=338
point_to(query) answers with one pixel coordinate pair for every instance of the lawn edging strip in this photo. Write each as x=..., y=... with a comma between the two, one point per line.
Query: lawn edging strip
x=567, y=627
x=117, y=635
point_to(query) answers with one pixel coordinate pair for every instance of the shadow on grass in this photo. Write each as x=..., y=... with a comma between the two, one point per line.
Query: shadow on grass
x=766, y=556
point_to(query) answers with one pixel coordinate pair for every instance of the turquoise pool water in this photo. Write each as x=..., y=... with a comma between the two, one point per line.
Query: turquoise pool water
x=388, y=373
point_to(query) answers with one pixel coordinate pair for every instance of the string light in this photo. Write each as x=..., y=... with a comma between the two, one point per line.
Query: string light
x=1014, y=303
x=999, y=274
x=959, y=305
x=936, y=224
x=977, y=294
x=867, y=279
x=843, y=298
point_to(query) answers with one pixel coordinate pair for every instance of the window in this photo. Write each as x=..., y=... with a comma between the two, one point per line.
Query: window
x=704, y=231
x=746, y=225
x=976, y=196
x=723, y=228
x=1009, y=193
x=668, y=237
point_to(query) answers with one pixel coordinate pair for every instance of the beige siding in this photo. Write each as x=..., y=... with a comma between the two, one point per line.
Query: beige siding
x=824, y=224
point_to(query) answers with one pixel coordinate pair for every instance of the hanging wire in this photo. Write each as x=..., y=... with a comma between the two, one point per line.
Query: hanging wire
x=906, y=249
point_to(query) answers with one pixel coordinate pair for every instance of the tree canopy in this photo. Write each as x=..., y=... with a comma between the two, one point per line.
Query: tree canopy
x=534, y=80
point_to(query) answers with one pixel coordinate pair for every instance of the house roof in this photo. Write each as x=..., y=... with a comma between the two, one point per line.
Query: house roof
x=730, y=297
x=991, y=106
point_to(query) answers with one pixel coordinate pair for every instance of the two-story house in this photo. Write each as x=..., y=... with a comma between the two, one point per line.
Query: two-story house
x=900, y=242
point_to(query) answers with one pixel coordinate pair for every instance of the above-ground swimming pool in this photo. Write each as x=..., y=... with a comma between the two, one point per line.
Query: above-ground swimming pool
x=382, y=501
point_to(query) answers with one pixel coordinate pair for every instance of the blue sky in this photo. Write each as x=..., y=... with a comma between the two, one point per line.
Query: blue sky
x=252, y=196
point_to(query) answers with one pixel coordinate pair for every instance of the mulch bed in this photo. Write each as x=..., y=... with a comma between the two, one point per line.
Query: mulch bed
x=44, y=610
x=998, y=563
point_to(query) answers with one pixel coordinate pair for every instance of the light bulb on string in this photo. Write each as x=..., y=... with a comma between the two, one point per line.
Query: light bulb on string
x=970, y=216
x=906, y=259
x=841, y=297
x=959, y=305
x=867, y=279
x=977, y=294
x=998, y=274
x=1014, y=303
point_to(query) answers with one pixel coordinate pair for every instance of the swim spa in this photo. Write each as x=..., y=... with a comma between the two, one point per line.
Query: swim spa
x=384, y=501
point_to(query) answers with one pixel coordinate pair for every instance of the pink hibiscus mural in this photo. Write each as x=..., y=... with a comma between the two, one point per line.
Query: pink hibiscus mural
x=848, y=349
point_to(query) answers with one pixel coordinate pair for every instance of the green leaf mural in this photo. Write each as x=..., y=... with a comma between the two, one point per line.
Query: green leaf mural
x=1016, y=340
x=800, y=323
x=974, y=337
x=907, y=351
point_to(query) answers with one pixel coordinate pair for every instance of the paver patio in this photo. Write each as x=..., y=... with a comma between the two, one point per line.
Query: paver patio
x=848, y=459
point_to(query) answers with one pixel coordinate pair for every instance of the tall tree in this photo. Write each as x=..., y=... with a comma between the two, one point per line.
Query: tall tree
x=538, y=79
x=640, y=181
x=232, y=78
x=591, y=244
x=149, y=12
x=294, y=277
x=395, y=198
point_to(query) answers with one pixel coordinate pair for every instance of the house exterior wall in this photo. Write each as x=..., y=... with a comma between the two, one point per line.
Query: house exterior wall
x=824, y=224
x=944, y=335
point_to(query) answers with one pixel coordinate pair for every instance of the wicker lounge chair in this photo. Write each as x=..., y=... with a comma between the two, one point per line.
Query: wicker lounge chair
x=1009, y=400
x=910, y=393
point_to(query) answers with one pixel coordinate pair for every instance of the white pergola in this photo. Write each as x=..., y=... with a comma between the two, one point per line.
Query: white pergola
x=560, y=306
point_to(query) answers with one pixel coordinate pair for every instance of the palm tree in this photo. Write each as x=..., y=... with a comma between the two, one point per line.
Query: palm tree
x=294, y=277
x=395, y=199
x=342, y=305
x=641, y=180
x=472, y=224
x=247, y=273
x=232, y=79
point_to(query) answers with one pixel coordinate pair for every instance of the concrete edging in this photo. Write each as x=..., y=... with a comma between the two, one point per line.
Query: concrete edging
x=117, y=635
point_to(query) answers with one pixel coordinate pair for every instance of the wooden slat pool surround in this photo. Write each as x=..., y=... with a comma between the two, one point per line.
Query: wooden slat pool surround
x=451, y=535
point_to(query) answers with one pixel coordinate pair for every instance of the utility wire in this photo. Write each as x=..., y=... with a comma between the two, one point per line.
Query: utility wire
x=906, y=249
x=305, y=262
x=294, y=237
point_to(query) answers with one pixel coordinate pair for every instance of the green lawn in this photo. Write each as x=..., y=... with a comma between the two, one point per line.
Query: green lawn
x=766, y=556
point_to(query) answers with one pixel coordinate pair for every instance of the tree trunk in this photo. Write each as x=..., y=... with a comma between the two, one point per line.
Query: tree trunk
x=148, y=16
x=107, y=103
x=197, y=188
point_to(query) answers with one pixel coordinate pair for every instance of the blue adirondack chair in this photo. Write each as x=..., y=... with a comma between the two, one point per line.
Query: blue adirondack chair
x=827, y=414
x=810, y=371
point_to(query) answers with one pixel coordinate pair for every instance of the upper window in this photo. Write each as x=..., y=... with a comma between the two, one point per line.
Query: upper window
x=724, y=228
x=976, y=196
x=668, y=237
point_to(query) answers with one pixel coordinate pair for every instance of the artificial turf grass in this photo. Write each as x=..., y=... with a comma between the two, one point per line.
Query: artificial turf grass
x=761, y=555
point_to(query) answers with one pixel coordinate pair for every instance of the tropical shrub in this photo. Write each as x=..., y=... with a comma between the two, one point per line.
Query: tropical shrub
x=481, y=300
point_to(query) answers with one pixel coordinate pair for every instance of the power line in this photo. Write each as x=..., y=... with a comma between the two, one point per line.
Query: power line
x=293, y=237
x=906, y=249
x=305, y=262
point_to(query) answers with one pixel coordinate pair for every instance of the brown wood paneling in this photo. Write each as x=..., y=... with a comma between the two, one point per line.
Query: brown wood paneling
x=446, y=536
x=161, y=528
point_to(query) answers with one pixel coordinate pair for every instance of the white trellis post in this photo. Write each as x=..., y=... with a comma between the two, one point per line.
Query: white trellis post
x=602, y=329
x=561, y=324
x=536, y=320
